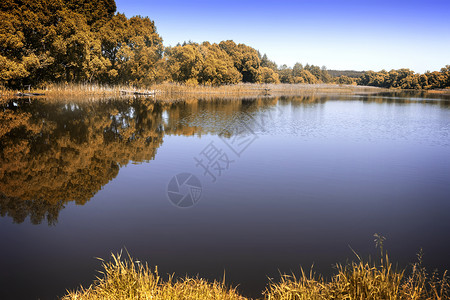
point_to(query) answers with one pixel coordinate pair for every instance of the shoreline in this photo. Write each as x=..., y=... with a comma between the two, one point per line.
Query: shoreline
x=175, y=88
x=169, y=92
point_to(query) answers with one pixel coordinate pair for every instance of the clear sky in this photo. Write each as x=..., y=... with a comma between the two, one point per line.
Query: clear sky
x=357, y=35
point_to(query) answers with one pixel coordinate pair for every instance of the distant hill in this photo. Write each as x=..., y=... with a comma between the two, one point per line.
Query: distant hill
x=348, y=73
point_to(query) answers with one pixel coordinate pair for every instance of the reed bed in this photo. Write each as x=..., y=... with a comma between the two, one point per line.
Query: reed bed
x=177, y=90
x=254, y=89
x=170, y=91
x=359, y=280
x=79, y=89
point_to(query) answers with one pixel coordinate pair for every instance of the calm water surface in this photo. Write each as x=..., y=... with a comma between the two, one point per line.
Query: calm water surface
x=275, y=183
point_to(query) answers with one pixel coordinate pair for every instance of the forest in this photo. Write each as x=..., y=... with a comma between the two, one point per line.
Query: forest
x=70, y=41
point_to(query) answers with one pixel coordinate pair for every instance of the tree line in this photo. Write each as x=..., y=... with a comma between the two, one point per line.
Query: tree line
x=87, y=41
x=407, y=79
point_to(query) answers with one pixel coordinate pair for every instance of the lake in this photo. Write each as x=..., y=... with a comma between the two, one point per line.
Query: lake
x=245, y=187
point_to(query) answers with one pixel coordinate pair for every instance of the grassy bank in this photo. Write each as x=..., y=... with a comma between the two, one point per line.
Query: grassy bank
x=125, y=278
x=171, y=90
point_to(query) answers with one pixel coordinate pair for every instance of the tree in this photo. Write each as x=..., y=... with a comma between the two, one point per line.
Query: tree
x=298, y=67
x=51, y=40
x=308, y=77
x=285, y=74
x=265, y=62
x=269, y=76
x=94, y=11
x=246, y=60
x=344, y=80
x=218, y=67
x=320, y=74
x=75, y=50
x=184, y=63
x=139, y=51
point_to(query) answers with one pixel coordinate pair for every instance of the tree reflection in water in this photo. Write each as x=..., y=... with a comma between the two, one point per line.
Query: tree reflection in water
x=53, y=152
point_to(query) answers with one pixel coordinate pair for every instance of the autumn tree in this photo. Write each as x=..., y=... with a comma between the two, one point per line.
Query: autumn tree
x=320, y=73
x=296, y=70
x=246, y=60
x=75, y=49
x=218, y=66
x=299, y=74
x=76, y=41
x=266, y=62
x=343, y=79
x=207, y=63
x=24, y=27
x=308, y=77
x=94, y=11
x=86, y=41
x=133, y=49
x=269, y=76
x=406, y=79
x=285, y=74
x=184, y=63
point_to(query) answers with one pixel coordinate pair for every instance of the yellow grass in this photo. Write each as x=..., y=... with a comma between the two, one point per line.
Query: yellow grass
x=129, y=279
x=171, y=90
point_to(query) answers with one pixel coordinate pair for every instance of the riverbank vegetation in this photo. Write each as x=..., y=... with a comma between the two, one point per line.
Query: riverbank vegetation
x=170, y=91
x=126, y=278
x=66, y=42
x=407, y=79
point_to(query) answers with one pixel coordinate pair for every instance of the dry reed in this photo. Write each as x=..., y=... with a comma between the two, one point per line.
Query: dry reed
x=168, y=91
x=129, y=279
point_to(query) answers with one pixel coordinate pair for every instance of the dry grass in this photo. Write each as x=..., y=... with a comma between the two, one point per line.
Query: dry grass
x=253, y=89
x=168, y=91
x=363, y=280
x=128, y=279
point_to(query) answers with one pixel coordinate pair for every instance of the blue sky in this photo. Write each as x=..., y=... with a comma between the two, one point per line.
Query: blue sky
x=358, y=35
